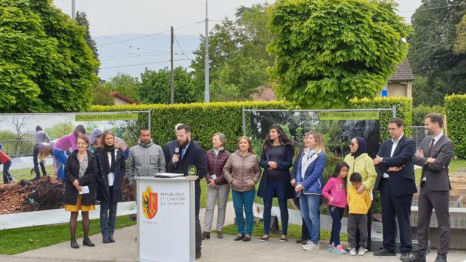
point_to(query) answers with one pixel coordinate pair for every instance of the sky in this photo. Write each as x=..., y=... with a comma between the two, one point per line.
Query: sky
x=112, y=17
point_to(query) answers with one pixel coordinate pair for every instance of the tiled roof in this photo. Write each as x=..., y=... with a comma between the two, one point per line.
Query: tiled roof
x=124, y=98
x=403, y=72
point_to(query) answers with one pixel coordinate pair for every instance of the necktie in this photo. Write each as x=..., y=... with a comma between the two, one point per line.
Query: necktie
x=431, y=148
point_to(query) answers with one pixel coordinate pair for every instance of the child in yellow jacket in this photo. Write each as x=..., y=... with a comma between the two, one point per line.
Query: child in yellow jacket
x=359, y=204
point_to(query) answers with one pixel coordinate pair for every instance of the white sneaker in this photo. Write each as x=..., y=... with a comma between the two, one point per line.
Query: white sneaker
x=352, y=251
x=362, y=251
x=311, y=246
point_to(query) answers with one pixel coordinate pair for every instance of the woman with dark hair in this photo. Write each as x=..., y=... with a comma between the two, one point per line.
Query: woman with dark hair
x=80, y=189
x=276, y=160
x=63, y=145
x=110, y=169
x=360, y=162
x=40, y=137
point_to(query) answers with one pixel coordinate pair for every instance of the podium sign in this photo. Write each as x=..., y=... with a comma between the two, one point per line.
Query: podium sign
x=166, y=219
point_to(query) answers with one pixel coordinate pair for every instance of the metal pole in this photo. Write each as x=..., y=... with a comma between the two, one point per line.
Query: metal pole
x=149, y=118
x=172, y=73
x=244, y=121
x=207, y=87
x=394, y=111
x=73, y=9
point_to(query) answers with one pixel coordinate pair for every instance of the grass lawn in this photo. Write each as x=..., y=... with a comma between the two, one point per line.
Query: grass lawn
x=14, y=241
x=455, y=166
x=294, y=231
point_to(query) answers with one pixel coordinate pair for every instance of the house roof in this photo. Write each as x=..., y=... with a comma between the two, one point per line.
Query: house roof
x=124, y=98
x=403, y=72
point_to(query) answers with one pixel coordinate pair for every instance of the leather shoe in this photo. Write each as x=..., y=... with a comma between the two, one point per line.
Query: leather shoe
x=441, y=258
x=205, y=235
x=239, y=237
x=87, y=242
x=74, y=244
x=105, y=240
x=407, y=257
x=384, y=253
x=418, y=257
x=198, y=253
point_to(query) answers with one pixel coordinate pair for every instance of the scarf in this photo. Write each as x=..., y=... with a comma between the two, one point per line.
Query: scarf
x=362, y=147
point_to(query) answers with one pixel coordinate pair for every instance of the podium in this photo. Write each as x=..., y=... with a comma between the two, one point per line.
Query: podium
x=166, y=219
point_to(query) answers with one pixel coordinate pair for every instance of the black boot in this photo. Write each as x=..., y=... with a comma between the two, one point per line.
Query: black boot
x=87, y=242
x=74, y=244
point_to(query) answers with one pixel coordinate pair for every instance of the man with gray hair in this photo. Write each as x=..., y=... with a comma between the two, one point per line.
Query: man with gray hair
x=146, y=158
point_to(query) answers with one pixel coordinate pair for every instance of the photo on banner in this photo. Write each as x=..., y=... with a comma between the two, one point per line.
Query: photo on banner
x=17, y=140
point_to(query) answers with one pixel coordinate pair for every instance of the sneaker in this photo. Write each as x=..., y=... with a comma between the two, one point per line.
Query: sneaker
x=331, y=246
x=352, y=251
x=340, y=249
x=310, y=246
x=362, y=251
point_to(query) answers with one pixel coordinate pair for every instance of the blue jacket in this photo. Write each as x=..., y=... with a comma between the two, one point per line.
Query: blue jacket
x=312, y=181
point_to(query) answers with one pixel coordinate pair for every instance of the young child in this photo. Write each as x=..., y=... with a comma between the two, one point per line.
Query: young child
x=359, y=204
x=335, y=192
x=5, y=160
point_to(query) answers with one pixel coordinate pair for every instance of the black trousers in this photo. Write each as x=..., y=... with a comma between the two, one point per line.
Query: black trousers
x=396, y=208
x=37, y=163
x=197, y=200
x=304, y=231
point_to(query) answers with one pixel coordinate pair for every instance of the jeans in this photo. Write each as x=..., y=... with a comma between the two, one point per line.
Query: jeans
x=304, y=233
x=244, y=201
x=7, y=178
x=60, y=156
x=35, y=155
x=310, y=205
x=270, y=189
x=221, y=193
x=336, y=213
x=108, y=211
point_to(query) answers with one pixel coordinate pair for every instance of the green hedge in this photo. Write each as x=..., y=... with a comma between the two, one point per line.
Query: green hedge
x=404, y=110
x=421, y=111
x=455, y=107
x=206, y=119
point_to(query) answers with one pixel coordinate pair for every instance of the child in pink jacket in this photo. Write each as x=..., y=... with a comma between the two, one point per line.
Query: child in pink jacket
x=335, y=192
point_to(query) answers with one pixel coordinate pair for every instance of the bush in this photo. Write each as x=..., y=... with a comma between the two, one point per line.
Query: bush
x=455, y=107
x=404, y=110
x=421, y=111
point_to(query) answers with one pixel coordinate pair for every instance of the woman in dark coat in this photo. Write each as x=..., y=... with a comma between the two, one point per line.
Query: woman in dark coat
x=276, y=160
x=80, y=189
x=110, y=170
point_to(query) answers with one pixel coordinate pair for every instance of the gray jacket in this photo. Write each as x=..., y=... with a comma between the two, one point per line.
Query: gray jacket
x=436, y=174
x=145, y=160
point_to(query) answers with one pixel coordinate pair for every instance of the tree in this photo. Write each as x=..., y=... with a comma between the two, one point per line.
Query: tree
x=155, y=87
x=45, y=63
x=81, y=19
x=432, y=49
x=231, y=44
x=328, y=52
x=125, y=85
x=101, y=94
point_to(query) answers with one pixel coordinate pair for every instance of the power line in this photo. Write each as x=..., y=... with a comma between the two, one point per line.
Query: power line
x=432, y=8
x=149, y=63
x=182, y=52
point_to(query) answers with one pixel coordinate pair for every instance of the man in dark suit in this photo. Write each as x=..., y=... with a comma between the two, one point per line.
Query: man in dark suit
x=434, y=156
x=395, y=180
x=185, y=156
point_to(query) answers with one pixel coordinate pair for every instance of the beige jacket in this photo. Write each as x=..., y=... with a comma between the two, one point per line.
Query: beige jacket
x=242, y=172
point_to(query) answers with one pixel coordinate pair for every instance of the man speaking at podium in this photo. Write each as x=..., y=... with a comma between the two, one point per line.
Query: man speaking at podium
x=185, y=156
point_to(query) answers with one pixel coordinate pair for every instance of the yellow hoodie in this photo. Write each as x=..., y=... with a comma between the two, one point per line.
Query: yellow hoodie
x=364, y=166
x=358, y=203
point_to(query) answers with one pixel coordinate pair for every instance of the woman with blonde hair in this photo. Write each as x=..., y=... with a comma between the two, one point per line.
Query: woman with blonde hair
x=242, y=172
x=309, y=185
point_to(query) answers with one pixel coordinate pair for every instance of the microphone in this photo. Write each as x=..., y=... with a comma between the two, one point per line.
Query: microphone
x=177, y=152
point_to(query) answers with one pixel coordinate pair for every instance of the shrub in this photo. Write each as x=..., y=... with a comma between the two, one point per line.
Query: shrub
x=455, y=107
x=421, y=111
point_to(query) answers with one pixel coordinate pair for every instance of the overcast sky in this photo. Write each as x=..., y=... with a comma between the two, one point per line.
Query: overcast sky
x=111, y=17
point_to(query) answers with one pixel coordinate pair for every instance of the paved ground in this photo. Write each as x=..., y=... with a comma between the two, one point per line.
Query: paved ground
x=125, y=249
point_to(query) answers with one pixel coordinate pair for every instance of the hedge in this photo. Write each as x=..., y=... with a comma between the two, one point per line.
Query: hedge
x=421, y=111
x=206, y=119
x=455, y=107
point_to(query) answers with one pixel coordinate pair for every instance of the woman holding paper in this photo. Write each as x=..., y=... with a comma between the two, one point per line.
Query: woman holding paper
x=80, y=189
x=109, y=172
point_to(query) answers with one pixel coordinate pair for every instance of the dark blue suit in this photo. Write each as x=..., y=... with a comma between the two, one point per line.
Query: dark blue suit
x=396, y=192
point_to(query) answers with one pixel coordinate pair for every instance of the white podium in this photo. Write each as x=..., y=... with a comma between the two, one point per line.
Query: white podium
x=166, y=219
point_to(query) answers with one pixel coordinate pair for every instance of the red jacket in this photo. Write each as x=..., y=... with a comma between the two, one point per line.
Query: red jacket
x=3, y=157
x=215, y=166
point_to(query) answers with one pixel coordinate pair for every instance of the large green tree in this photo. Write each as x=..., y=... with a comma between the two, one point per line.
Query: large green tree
x=45, y=62
x=432, y=50
x=155, y=87
x=237, y=53
x=81, y=19
x=330, y=51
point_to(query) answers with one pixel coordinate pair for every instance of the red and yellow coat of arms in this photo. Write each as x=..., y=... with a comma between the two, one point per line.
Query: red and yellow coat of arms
x=150, y=203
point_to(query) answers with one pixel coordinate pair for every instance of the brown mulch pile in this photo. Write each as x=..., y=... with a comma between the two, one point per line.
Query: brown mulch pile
x=46, y=193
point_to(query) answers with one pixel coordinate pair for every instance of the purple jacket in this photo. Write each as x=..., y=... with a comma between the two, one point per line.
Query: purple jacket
x=66, y=142
x=215, y=166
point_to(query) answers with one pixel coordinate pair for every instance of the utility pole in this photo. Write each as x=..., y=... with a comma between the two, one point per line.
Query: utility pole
x=73, y=9
x=172, y=73
x=207, y=69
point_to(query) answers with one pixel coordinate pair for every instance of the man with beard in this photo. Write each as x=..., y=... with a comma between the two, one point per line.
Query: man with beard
x=186, y=157
x=434, y=156
x=146, y=158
